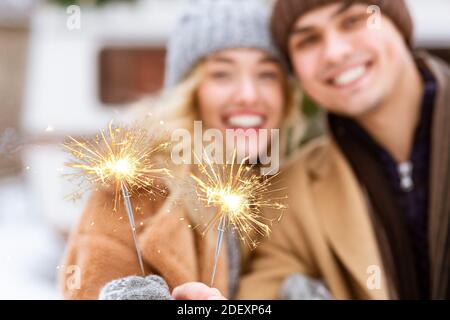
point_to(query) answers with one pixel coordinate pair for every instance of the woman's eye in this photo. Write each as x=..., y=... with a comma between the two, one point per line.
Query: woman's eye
x=220, y=75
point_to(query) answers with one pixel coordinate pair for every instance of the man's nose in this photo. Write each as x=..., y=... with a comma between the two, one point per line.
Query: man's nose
x=337, y=48
x=247, y=92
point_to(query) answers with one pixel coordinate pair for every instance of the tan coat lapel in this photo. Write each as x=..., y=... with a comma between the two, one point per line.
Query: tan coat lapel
x=346, y=221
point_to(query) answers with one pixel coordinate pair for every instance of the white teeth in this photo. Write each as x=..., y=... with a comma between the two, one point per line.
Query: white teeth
x=245, y=121
x=349, y=75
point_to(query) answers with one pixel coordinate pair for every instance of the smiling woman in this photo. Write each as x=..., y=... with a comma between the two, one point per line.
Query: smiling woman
x=242, y=92
x=233, y=98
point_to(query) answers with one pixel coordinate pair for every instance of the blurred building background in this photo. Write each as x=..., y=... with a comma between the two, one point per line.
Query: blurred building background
x=61, y=78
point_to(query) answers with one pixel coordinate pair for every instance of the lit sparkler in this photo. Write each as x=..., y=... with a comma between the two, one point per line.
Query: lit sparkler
x=238, y=194
x=123, y=158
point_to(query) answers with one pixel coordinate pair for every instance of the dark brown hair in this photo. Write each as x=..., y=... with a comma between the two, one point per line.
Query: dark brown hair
x=286, y=13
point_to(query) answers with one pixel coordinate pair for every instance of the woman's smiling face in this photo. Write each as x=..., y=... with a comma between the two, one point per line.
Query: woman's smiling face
x=242, y=89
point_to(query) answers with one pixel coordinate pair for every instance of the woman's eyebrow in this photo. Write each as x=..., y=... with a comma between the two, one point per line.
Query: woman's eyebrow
x=221, y=59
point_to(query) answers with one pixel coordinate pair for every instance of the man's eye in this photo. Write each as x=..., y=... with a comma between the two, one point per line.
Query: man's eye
x=306, y=42
x=354, y=21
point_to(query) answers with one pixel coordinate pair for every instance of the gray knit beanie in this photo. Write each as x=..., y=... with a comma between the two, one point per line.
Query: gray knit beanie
x=208, y=26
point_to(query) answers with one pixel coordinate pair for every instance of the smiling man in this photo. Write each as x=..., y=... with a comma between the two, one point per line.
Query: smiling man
x=375, y=191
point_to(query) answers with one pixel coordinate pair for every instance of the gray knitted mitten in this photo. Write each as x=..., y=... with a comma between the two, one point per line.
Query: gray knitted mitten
x=301, y=287
x=136, y=288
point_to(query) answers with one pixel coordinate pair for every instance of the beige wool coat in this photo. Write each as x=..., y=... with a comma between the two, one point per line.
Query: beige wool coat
x=328, y=232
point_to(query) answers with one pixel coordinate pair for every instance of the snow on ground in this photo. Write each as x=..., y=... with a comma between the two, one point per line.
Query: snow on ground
x=29, y=250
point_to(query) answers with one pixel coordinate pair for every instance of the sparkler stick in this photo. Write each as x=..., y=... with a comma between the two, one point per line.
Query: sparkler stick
x=127, y=201
x=220, y=231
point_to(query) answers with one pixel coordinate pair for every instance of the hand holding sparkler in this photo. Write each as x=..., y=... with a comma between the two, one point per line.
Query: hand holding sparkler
x=239, y=195
x=123, y=158
x=196, y=291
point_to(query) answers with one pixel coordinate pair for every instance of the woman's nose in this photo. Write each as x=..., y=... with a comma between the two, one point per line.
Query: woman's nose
x=247, y=92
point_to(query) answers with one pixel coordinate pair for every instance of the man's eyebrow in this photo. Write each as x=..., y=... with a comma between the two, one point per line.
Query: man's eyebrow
x=307, y=29
x=300, y=30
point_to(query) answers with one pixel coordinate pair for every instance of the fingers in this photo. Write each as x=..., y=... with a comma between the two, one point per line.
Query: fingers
x=196, y=291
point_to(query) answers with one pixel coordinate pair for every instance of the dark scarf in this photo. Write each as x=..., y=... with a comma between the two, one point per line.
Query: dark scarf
x=385, y=210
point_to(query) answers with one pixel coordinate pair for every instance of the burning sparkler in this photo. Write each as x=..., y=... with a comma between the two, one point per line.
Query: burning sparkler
x=239, y=194
x=123, y=158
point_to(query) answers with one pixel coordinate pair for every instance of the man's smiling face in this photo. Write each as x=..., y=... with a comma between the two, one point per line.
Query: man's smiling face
x=342, y=64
